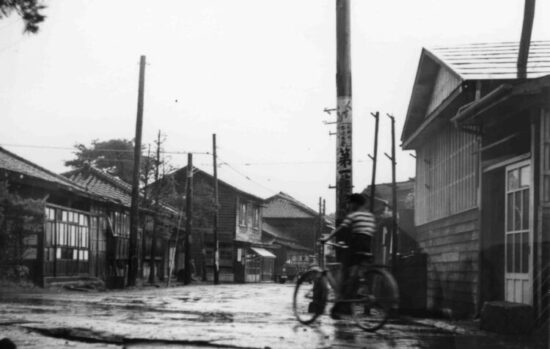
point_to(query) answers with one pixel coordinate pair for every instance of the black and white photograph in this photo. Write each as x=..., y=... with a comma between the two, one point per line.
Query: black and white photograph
x=275, y=174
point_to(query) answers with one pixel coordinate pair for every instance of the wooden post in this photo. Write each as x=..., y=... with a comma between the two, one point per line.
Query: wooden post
x=134, y=210
x=374, y=159
x=188, y=220
x=344, y=164
x=216, y=214
x=394, y=196
x=525, y=41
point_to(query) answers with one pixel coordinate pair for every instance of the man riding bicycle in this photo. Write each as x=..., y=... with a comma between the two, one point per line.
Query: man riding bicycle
x=357, y=229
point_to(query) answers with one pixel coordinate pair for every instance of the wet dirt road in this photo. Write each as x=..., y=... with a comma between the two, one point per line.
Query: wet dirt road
x=205, y=316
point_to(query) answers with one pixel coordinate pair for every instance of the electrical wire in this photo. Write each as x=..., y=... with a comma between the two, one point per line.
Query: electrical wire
x=223, y=162
x=99, y=150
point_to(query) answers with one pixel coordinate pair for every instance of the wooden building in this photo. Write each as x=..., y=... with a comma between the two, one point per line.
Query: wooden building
x=70, y=244
x=86, y=223
x=293, y=228
x=481, y=132
x=113, y=226
x=242, y=255
x=289, y=253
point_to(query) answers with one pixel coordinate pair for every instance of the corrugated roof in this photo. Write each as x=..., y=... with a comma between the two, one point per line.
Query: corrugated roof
x=14, y=163
x=494, y=60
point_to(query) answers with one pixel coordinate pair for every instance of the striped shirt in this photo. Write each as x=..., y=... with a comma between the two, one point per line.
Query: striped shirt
x=361, y=222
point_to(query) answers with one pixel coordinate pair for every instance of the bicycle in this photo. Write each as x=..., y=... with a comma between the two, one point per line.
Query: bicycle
x=376, y=292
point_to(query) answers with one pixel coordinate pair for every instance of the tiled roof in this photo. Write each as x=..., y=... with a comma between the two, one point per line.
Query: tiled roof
x=102, y=184
x=494, y=60
x=14, y=163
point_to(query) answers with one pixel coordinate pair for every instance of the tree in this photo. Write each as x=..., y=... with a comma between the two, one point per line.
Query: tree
x=19, y=218
x=116, y=156
x=29, y=10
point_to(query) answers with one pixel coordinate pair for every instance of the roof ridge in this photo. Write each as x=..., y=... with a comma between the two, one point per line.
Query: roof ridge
x=219, y=181
x=30, y=163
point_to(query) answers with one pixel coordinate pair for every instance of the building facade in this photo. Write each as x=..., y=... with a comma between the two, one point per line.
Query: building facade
x=242, y=256
x=480, y=132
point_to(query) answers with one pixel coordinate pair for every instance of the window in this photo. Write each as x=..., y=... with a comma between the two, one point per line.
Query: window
x=256, y=217
x=67, y=234
x=242, y=213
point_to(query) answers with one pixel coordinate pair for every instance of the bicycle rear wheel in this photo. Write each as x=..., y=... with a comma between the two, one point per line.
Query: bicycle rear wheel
x=377, y=295
x=310, y=296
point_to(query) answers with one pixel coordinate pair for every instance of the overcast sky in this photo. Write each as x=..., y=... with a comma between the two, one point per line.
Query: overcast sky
x=256, y=72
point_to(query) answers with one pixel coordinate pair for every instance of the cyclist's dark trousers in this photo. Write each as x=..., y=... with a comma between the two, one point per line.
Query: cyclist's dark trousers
x=358, y=243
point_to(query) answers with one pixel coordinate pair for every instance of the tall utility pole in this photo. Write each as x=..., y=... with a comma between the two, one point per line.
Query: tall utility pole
x=216, y=214
x=134, y=210
x=188, y=220
x=394, y=232
x=344, y=184
x=374, y=159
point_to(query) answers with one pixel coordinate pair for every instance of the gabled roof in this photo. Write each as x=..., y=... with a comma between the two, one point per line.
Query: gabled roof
x=464, y=63
x=494, y=61
x=16, y=164
x=257, y=194
x=283, y=205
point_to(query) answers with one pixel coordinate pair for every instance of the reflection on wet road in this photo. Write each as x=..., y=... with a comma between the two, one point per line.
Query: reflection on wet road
x=225, y=316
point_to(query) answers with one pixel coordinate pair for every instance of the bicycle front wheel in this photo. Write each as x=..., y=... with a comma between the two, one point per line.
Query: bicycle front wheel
x=310, y=296
x=377, y=295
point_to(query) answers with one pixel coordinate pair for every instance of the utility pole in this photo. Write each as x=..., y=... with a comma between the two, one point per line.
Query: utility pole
x=344, y=158
x=216, y=214
x=394, y=235
x=134, y=210
x=189, y=219
x=157, y=188
x=374, y=159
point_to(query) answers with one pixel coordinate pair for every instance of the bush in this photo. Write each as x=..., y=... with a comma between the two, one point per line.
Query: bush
x=19, y=217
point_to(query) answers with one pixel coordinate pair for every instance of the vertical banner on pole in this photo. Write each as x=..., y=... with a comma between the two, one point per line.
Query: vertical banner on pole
x=343, y=108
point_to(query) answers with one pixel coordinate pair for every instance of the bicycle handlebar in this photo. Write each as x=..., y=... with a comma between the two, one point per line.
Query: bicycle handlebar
x=333, y=244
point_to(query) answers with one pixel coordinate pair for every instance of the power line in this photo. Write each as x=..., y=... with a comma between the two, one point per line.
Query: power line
x=35, y=146
x=223, y=162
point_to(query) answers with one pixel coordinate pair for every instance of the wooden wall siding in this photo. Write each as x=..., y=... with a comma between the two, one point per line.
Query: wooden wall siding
x=246, y=228
x=444, y=85
x=452, y=247
x=302, y=229
x=228, y=211
x=542, y=234
x=446, y=175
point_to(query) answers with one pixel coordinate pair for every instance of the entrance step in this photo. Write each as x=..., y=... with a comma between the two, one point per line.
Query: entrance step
x=507, y=317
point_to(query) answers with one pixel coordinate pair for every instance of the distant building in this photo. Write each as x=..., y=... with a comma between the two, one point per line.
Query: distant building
x=405, y=218
x=242, y=256
x=481, y=132
x=293, y=229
